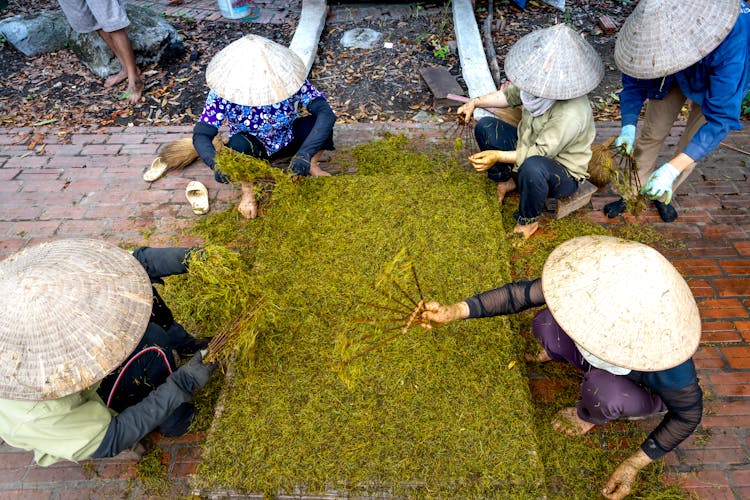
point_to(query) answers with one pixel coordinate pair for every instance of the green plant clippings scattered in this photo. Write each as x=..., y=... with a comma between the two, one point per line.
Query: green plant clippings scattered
x=151, y=471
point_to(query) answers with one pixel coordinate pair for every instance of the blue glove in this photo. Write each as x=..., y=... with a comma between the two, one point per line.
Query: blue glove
x=660, y=182
x=626, y=140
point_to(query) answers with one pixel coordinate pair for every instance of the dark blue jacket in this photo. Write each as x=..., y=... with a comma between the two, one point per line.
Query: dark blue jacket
x=717, y=83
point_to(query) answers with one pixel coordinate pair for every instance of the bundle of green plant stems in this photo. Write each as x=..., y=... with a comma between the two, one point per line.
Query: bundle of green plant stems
x=333, y=389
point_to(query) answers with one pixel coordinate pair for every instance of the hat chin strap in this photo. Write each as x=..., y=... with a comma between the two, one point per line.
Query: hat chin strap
x=600, y=363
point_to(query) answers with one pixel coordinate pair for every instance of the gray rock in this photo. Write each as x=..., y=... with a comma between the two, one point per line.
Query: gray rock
x=361, y=38
x=153, y=40
x=36, y=33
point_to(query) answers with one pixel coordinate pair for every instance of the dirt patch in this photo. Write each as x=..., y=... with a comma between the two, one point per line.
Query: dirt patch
x=379, y=84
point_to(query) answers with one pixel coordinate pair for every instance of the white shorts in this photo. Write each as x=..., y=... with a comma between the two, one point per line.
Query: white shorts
x=86, y=16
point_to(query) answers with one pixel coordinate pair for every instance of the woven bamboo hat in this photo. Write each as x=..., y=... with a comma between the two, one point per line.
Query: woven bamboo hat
x=254, y=71
x=72, y=311
x=661, y=37
x=554, y=62
x=622, y=301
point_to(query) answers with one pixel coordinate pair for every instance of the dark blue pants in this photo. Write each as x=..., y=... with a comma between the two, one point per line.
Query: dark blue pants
x=537, y=178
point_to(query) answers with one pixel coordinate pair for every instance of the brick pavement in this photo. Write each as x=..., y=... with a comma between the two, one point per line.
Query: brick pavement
x=92, y=187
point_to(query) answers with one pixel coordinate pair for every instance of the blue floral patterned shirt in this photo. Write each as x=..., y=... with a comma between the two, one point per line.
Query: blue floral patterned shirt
x=271, y=124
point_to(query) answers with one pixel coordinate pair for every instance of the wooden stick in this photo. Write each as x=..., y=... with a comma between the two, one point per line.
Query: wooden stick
x=734, y=148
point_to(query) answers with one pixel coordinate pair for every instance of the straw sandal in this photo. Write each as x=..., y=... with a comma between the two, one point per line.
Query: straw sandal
x=157, y=169
x=197, y=195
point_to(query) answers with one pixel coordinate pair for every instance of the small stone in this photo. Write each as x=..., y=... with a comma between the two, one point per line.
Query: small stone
x=361, y=38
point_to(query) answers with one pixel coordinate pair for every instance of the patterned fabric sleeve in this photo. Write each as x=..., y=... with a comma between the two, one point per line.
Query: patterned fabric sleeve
x=308, y=93
x=214, y=111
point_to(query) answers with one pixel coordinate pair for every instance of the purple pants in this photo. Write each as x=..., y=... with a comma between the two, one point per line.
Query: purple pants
x=604, y=396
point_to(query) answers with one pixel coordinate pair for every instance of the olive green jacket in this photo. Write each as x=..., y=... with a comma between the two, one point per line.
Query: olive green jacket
x=563, y=133
x=68, y=428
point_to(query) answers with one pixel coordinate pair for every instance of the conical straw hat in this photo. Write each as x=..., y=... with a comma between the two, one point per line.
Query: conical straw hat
x=254, y=71
x=622, y=301
x=554, y=62
x=72, y=311
x=661, y=37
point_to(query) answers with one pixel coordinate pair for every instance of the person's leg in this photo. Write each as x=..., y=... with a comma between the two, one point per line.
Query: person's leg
x=606, y=397
x=494, y=134
x=659, y=118
x=538, y=179
x=301, y=128
x=695, y=121
x=658, y=121
x=555, y=342
x=119, y=42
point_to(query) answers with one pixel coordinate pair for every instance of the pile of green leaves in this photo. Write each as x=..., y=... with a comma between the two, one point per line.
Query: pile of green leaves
x=430, y=413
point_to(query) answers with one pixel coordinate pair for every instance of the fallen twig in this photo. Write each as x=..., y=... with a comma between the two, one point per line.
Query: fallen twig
x=734, y=148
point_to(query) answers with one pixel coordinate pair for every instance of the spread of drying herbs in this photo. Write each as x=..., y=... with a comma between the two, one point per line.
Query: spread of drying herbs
x=334, y=386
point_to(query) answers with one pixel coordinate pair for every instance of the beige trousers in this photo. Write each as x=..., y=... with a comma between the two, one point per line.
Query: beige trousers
x=659, y=120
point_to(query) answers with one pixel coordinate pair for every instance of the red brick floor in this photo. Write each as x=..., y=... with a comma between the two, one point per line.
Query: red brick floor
x=92, y=187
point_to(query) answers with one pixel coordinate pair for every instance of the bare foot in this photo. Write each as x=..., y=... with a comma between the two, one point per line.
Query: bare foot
x=541, y=357
x=567, y=422
x=526, y=230
x=248, y=207
x=316, y=171
x=503, y=188
x=135, y=89
x=115, y=79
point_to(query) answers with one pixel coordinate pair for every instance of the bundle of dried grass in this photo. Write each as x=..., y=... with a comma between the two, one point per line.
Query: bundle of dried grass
x=601, y=165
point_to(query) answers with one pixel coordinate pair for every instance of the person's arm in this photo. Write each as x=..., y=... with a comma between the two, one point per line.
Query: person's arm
x=203, y=136
x=130, y=426
x=508, y=299
x=685, y=407
x=321, y=131
x=161, y=262
x=495, y=99
x=213, y=115
x=722, y=103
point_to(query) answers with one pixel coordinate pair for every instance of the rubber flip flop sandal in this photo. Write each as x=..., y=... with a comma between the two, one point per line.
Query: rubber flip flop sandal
x=157, y=169
x=197, y=195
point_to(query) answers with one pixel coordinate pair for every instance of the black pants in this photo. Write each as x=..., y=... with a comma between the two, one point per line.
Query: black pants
x=537, y=178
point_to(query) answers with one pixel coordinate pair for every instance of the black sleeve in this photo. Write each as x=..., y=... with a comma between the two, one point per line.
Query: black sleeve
x=130, y=426
x=685, y=408
x=161, y=262
x=321, y=131
x=133, y=423
x=203, y=134
x=511, y=298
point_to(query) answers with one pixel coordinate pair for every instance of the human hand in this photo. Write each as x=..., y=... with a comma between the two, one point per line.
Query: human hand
x=438, y=313
x=467, y=110
x=620, y=483
x=660, y=183
x=194, y=374
x=626, y=140
x=484, y=160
